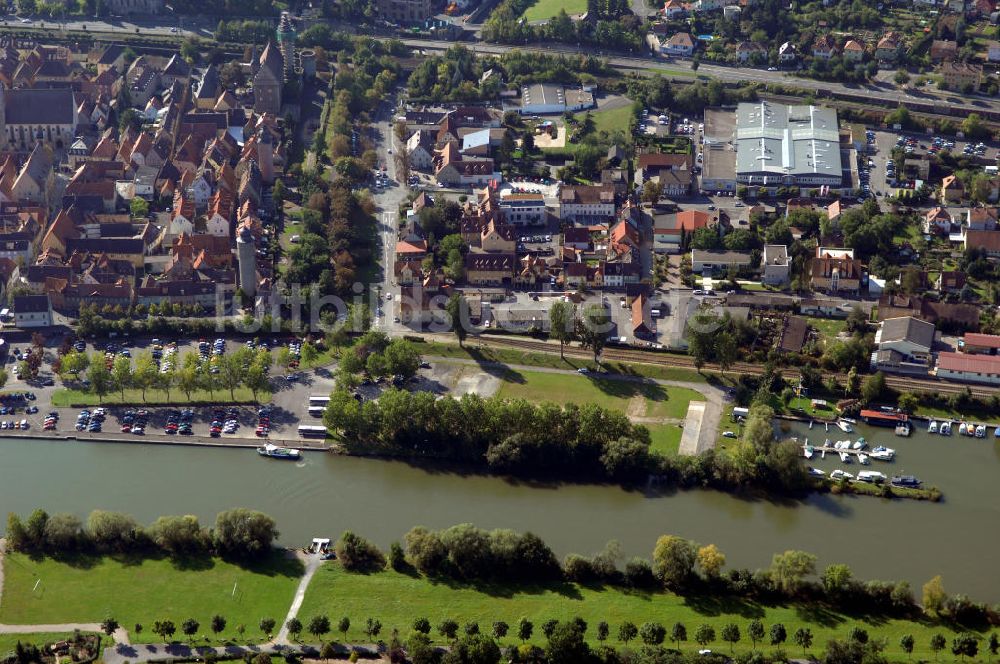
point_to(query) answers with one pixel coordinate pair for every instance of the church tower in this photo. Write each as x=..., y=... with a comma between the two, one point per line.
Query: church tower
x=286, y=43
x=246, y=256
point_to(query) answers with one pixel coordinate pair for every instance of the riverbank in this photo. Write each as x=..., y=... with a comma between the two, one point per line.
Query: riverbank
x=175, y=441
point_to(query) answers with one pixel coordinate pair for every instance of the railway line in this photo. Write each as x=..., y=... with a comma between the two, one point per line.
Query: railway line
x=656, y=358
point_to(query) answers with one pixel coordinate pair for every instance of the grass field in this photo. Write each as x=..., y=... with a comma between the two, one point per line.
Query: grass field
x=666, y=437
x=9, y=641
x=610, y=120
x=543, y=10
x=67, y=397
x=636, y=399
x=397, y=599
x=828, y=328
x=142, y=591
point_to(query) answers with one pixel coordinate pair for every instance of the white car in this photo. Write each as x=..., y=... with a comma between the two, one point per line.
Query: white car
x=25, y=20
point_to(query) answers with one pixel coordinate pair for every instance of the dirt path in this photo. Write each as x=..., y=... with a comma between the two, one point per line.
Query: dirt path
x=312, y=563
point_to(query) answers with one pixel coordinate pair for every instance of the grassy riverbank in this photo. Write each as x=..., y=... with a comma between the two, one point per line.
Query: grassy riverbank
x=141, y=590
x=397, y=599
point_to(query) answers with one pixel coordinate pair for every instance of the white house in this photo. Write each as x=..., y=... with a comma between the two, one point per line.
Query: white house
x=679, y=44
x=777, y=265
x=32, y=311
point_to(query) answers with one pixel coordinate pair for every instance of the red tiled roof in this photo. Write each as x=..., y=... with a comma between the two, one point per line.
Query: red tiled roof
x=975, y=364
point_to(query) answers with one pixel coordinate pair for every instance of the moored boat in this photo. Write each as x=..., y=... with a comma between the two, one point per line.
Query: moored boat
x=945, y=428
x=903, y=429
x=845, y=457
x=962, y=428
x=882, y=453
x=863, y=459
x=906, y=481
x=841, y=475
x=808, y=451
x=980, y=431
x=871, y=476
x=932, y=427
x=816, y=472
x=275, y=452
x=845, y=426
x=859, y=444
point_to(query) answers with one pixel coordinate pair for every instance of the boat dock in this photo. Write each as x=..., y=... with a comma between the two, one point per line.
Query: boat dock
x=821, y=450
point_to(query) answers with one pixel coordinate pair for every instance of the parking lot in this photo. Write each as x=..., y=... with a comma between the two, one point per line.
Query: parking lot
x=917, y=145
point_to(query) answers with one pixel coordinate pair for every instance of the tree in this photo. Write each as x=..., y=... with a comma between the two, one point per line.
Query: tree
x=549, y=626
x=908, y=402
x=906, y=643
x=778, y=634
x=711, y=560
x=725, y=353
x=803, y=638
x=190, y=627
x=372, y=627
x=327, y=652
x=593, y=327
x=164, y=629
x=934, y=596
x=458, y=313
x=357, y=553
x=448, y=629
x=673, y=560
x=266, y=626
x=218, y=624
x=121, y=374
x=145, y=373
x=755, y=630
x=965, y=645
x=500, y=629
x=873, y=387
x=651, y=191
x=561, y=323
x=244, y=534
x=731, y=634
x=993, y=644
x=788, y=569
x=294, y=627
x=901, y=77
x=652, y=633
x=471, y=628
x=344, y=625
x=422, y=625
x=603, y=629
x=704, y=635
x=109, y=625
x=319, y=626
x=524, y=629
x=678, y=634
x=139, y=208
x=627, y=631
x=937, y=644
x=566, y=643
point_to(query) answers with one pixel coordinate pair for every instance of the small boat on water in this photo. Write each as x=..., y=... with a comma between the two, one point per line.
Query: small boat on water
x=981, y=431
x=882, y=453
x=816, y=472
x=871, y=476
x=903, y=429
x=945, y=428
x=996, y=432
x=275, y=452
x=808, y=451
x=906, y=481
x=932, y=427
x=845, y=457
x=962, y=428
x=841, y=475
x=859, y=444
x=845, y=426
x=811, y=423
x=863, y=460
x=827, y=425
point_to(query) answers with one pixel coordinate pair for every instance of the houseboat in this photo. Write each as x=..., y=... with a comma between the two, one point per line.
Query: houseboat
x=881, y=418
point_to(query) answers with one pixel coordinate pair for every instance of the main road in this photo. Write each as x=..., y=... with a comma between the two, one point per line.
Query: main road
x=178, y=27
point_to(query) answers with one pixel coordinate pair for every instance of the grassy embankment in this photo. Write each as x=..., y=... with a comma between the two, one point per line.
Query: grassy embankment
x=397, y=599
x=88, y=589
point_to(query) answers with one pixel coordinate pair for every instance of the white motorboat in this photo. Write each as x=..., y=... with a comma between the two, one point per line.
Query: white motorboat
x=841, y=475
x=932, y=427
x=903, y=429
x=845, y=457
x=808, y=451
x=863, y=460
x=827, y=425
x=963, y=428
x=845, y=426
x=816, y=472
x=859, y=444
x=945, y=428
x=275, y=452
x=881, y=453
x=811, y=423
x=980, y=431
x=872, y=476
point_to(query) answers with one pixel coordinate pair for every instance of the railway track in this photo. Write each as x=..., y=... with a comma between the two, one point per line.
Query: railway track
x=614, y=354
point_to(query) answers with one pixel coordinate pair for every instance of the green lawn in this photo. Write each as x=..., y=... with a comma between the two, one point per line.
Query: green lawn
x=142, y=591
x=666, y=438
x=651, y=400
x=9, y=641
x=67, y=397
x=397, y=599
x=543, y=10
x=610, y=120
x=828, y=328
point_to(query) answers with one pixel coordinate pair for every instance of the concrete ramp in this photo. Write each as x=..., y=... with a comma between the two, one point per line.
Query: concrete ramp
x=691, y=436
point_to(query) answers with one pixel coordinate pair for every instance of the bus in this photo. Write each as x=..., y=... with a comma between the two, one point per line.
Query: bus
x=317, y=400
x=312, y=431
x=317, y=411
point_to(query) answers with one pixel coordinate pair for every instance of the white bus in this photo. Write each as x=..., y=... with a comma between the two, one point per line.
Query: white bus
x=312, y=431
x=317, y=400
x=317, y=411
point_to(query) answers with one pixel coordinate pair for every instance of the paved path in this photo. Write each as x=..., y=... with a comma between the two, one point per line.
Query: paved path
x=312, y=563
x=714, y=396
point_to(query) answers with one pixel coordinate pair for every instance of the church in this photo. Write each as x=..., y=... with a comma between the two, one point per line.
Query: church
x=32, y=115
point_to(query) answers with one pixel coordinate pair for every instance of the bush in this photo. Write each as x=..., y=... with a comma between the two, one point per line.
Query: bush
x=358, y=554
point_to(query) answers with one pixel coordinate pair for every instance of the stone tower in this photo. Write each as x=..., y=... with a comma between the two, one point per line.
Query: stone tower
x=286, y=43
x=265, y=156
x=246, y=256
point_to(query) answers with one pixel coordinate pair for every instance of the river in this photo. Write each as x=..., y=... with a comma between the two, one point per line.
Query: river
x=326, y=494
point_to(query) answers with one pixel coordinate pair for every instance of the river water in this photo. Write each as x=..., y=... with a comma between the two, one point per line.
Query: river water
x=326, y=494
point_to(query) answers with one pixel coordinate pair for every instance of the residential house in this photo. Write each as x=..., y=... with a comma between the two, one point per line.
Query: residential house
x=586, y=203
x=787, y=53
x=483, y=269
x=937, y=220
x=961, y=76
x=942, y=50
x=498, y=237
x=32, y=311
x=987, y=241
x=620, y=275
x=670, y=229
x=719, y=262
x=794, y=333
x=577, y=238
x=35, y=180
x=651, y=165
x=854, y=51
x=616, y=178
x=981, y=219
x=420, y=147
x=889, y=47
x=825, y=47
x=976, y=343
x=777, y=265
x=748, y=50
x=452, y=169
x=835, y=271
x=679, y=44
x=674, y=9
x=642, y=318
x=523, y=208
x=950, y=281
x=952, y=190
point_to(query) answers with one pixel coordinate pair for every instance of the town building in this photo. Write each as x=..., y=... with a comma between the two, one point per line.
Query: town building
x=961, y=76
x=966, y=368
x=404, y=11
x=32, y=311
x=777, y=265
